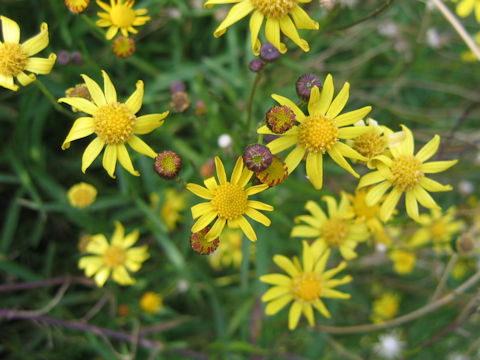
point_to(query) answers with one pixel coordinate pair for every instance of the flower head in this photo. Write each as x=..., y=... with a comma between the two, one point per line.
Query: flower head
x=280, y=119
x=200, y=244
x=123, y=47
x=228, y=202
x=120, y=16
x=77, y=6
x=403, y=261
x=257, y=157
x=151, y=302
x=305, y=285
x=173, y=204
x=16, y=58
x=466, y=7
x=168, y=164
x=82, y=195
x=320, y=132
x=275, y=174
x=385, y=307
x=114, y=123
x=113, y=258
x=374, y=142
x=80, y=90
x=364, y=213
x=337, y=230
x=305, y=84
x=278, y=15
x=405, y=172
x=268, y=52
x=390, y=346
x=229, y=254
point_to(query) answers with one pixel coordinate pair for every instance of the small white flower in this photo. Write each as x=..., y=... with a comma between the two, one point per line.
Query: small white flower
x=434, y=39
x=224, y=141
x=457, y=356
x=182, y=286
x=381, y=247
x=465, y=187
x=388, y=29
x=389, y=346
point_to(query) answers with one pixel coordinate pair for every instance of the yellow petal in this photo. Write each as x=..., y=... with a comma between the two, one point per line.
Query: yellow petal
x=352, y=117
x=82, y=127
x=256, y=189
x=304, y=231
x=294, y=157
x=141, y=147
x=286, y=264
x=256, y=21
x=288, y=28
x=389, y=204
x=110, y=92
x=331, y=205
x=200, y=191
x=411, y=205
x=322, y=262
x=81, y=104
x=110, y=159
x=315, y=210
x=320, y=306
x=307, y=257
x=111, y=32
x=274, y=293
x=340, y=101
x=433, y=186
x=315, y=169
x=221, y=175
x=424, y=198
x=326, y=97
x=335, y=294
x=272, y=32
x=10, y=30
x=278, y=304
x=91, y=152
x=308, y=312
x=302, y=20
x=259, y=205
x=95, y=91
x=247, y=229
x=134, y=102
x=300, y=116
x=370, y=178
x=201, y=209
x=216, y=229
x=147, y=123
x=337, y=156
x=376, y=193
x=294, y=315
x=434, y=167
x=282, y=143
x=236, y=13
x=276, y=279
x=118, y=233
x=257, y=216
x=237, y=171
x=121, y=276
x=125, y=160
x=102, y=276
x=130, y=239
x=38, y=42
x=429, y=149
x=204, y=221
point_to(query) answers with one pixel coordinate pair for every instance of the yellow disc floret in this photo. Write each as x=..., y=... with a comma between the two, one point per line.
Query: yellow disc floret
x=335, y=231
x=407, y=172
x=274, y=8
x=370, y=144
x=318, y=133
x=12, y=59
x=114, y=256
x=122, y=15
x=114, y=123
x=230, y=201
x=306, y=287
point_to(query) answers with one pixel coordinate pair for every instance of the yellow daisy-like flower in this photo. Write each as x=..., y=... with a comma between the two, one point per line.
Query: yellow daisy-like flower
x=82, y=195
x=114, y=258
x=278, y=15
x=320, y=132
x=114, y=123
x=305, y=286
x=364, y=213
x=438, y=227
x=151, y=302
x=16, y=58
x=174, y=203
x=385, y=307
x=406, y=174
x=228, y=202
x=466, y=7
x=120, y=16
x=229, y=253
x=403, y=261
x=338, y=229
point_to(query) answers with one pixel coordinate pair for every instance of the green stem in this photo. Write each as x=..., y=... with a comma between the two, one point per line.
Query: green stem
x=250, y=100
x=52, y=99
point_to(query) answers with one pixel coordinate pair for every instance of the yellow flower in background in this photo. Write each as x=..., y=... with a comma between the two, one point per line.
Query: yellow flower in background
x=120, y=16
x=466, y=7
x=16, y=58
x=77, y=6
x=114, y=258
x=82, y=195
x=305, y=286
x=469, y=56
x=364, y=213
x=278, y=15
x=151, y=302
x=174, y=203
x=405, y=172
x=337, y=230
x=228, y=202
x=229, y=253
x=437, y=227
x=114, y=123
x=403, y=261
x=385, y=307
x=320, y=132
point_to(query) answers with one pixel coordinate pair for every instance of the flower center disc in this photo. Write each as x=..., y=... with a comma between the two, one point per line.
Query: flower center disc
x=114, y=123
x=274, y=8
x=407, y=172
x=335, y=231
x=370, y=144
x=438, y=230
x=230, y=201
x=122, y=16
x=114, y=256
x=318, y=133
x=12, y=59
x=306, y=287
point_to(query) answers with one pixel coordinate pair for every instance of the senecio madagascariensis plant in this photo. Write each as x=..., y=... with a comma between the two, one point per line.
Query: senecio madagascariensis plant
x=278, y=15
x=320, y=132
x=16, y=58
x=228, y=202
x=305, y=285
x=114, y=123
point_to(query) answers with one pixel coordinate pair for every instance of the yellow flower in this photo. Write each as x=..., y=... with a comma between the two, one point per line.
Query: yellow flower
x=82, y=195
x=406, y=174
x=277, y=14
x=151, y=302
x=228, y=201
x=114, y=258
x=364, y=213
x=120, y=15
x=174, y=203
x=469, y=56
x=338, y=229
x=229, y=253
x=16, y=58
x=438, y=227
x=320, y=132
x=114, y=123
x=305, y=286
x=403, y=261
x=77, y=6
x=385, y=307
x=466, y=7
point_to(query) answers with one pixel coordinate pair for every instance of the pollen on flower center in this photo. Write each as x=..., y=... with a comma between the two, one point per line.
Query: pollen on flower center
x=230, y=201
x=335, y=231
x=407, y=172
x=114, y=256
x=114, y=123
x=370, y=144
x=122, y=16
x=306, y=287
x=12, y=59
x=274, y=8
x=318, y=133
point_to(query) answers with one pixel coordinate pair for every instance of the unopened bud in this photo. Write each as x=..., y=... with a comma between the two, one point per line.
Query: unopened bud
x=280, y=119
x=168, y=164
x=202, y=246
x=257, y=157
x=305, y=84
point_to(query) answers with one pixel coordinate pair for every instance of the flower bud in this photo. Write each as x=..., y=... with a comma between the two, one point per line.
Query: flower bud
x=180, y=101
x=257, y=157
x=280, y=119
x=268, y=52
x=177, y=86
x=123, y=47
x=77, y=6
x=275, y=174
x=464, y=244
x=304, y=85
x=76, y=57
x=63, y=57
x=168, y=164
x=200, y=245
x=255, y=65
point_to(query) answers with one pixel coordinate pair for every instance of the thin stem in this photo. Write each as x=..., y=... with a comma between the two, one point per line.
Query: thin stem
x=457, y=26
x=46, y=283
x=443, y=280
x=51, y=98
x=406, y=318
x=250, y=100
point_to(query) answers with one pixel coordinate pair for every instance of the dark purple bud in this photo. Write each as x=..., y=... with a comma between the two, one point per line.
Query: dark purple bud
x=168, y=164
x=268, y=52
x=305, y=83
x=63, y=57
x=257, y=157
x=177, y=86
x=255, y=65
x=280, y=119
